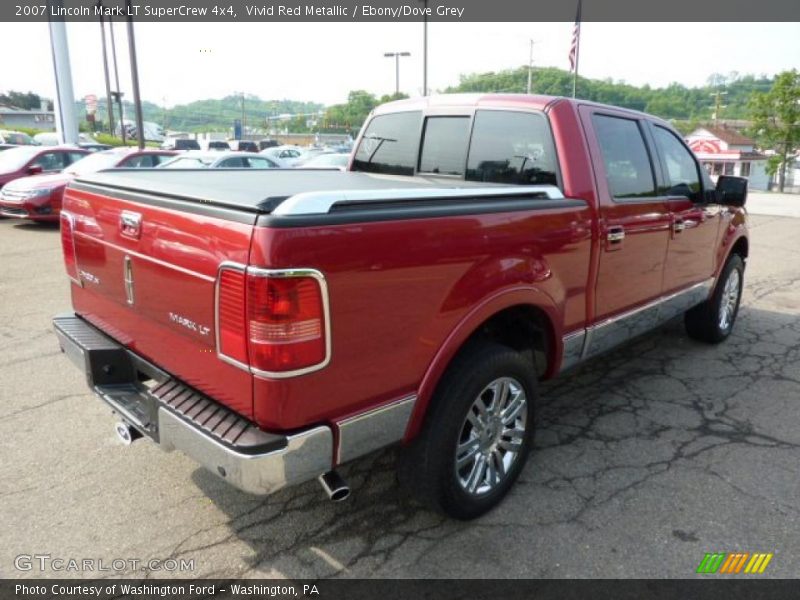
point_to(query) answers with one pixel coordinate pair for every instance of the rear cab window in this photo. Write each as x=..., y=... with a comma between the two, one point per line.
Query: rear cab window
x=492, y=146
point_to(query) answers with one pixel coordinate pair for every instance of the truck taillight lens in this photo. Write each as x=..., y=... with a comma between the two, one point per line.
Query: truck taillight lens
x=231, y=336
x=286, y=325
x=68, y=246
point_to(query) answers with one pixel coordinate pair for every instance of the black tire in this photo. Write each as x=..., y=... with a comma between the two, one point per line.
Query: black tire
x=705, y=321
x=427, y=467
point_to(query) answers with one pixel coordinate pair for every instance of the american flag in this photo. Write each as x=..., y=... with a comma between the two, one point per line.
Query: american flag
x=576, y=40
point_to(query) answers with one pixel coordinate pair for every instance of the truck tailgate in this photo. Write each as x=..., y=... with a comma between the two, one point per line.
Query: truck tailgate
x=147, y=278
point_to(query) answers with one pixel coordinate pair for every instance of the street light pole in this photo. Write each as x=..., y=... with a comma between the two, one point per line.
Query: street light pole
x=109, y=103
x=117, y=94
x=425, y=49
x=530, y=67
x=137, y=101
x=396, y=56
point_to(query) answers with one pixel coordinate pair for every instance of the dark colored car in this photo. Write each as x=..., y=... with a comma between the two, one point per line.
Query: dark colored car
x=245, y=146
x=218, y=145
x=23, y=161
x=264, y=144
x=39, y=198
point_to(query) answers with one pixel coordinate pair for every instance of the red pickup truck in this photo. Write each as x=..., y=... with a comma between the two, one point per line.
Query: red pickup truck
x=274, y=325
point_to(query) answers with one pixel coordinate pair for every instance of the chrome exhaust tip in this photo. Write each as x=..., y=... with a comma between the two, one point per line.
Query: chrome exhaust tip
x=336, y=487
x=125, y=433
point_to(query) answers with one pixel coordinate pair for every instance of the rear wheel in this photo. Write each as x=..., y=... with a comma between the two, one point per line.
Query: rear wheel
x=478, y=433
x=712, y=321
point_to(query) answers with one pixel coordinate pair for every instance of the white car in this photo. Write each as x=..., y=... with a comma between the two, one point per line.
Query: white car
x=288, y=156
x=198, y=159
x=330, y=160
x=50, y=138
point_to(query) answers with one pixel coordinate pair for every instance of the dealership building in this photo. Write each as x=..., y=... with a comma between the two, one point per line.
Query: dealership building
x=724, y=151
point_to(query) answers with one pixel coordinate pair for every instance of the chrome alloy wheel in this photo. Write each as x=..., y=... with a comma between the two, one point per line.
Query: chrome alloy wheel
x=729, y=300
x=492, y=436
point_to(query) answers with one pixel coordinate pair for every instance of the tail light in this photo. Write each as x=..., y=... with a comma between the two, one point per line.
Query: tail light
x=231, y=339
x=273, y=322
x=68, y=246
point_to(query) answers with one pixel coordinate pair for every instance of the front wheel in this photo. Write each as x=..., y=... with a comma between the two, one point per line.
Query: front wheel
x=477, y=436
x=712, y=321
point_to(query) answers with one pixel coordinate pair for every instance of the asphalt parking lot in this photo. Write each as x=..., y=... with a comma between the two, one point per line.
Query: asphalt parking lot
x=646, y=459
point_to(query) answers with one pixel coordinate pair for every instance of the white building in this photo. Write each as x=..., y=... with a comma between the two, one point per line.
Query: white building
x=724, y=151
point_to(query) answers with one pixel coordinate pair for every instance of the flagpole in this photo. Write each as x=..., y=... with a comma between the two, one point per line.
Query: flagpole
x=577, y=49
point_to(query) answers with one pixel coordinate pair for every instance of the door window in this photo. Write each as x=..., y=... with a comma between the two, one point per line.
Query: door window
x=511, y=147
x=50, y=161
x=627, y=162
x=681, y=174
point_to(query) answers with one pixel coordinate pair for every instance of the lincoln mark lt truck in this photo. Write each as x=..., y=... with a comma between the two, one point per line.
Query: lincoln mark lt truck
x=274, y=325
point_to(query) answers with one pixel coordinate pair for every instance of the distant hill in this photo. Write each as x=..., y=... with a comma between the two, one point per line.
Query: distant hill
x=211, y=114
x=675, y=101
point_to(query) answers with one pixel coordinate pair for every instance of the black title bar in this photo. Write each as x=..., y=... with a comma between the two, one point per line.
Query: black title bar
x=405, y=10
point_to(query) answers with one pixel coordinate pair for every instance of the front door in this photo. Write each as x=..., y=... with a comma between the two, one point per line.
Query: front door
x=694, y=227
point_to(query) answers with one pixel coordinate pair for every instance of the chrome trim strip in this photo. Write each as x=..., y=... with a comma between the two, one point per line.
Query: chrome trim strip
x=307, y=455
x=373, y=429
x=308, y=203
x=261, y=272
x=573, y=349
x=127, y=277
x=605, y=335
x=71, y=218
x=613, y=331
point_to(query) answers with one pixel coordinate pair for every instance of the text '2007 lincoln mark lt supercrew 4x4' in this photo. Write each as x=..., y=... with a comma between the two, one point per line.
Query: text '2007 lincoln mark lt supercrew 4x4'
x=276, y=324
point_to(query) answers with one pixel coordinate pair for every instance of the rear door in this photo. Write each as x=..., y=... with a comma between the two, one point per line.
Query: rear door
x=634, y=220
x=694, y=223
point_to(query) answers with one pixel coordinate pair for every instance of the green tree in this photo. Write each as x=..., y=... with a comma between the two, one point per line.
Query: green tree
x=776, y=121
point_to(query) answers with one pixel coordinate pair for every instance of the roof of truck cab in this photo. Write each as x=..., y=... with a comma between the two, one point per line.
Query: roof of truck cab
x=252, y=190
x=530, y=101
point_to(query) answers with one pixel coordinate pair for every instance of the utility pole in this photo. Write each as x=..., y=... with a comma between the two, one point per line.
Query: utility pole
x=137, y=101
x=244, y=119
x=117, y=94
x=425, y=49
x=530, y=68
x=396, y=56
x=66, y=124
x=109, y=103
x=717, y=106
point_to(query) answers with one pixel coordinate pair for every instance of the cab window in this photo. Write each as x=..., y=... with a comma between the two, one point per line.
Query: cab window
x=389, y=144
x=625, y=156
x=511, y=147
x=680, y=169
x=444, y=145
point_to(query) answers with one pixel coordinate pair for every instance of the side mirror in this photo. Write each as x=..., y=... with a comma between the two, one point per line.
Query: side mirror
x=732, y=191
x=35, y=169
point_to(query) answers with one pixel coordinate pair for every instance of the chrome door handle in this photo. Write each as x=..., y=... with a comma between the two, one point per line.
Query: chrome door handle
x=615, y=234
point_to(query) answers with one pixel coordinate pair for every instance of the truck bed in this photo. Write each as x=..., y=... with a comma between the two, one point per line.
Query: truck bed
x=251, y=190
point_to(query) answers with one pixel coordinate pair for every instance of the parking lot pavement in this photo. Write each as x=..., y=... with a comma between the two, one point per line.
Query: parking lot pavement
x=646, y=459
x=773, y=204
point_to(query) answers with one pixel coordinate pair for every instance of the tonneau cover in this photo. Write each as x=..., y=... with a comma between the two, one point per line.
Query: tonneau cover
x=251, y=190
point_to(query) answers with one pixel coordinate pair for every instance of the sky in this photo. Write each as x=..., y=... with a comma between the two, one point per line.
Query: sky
x=182, y=62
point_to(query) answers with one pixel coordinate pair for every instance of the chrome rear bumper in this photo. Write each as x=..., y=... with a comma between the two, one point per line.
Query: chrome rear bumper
x=179, y=418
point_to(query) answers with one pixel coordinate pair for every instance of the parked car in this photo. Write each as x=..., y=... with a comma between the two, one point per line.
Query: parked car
x=39, y=198
x=329, y=160
x=94, y=147
x=288, y=156
x=50, y=138
x=23, y=161
x=217, y=145
x=16, y=138
x=180, y=144
x=219, y=160
x=308, y=318
x=264, y=144
x=243, y=146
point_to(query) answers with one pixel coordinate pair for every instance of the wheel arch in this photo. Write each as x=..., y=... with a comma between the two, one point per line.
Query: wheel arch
x=524, y=319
